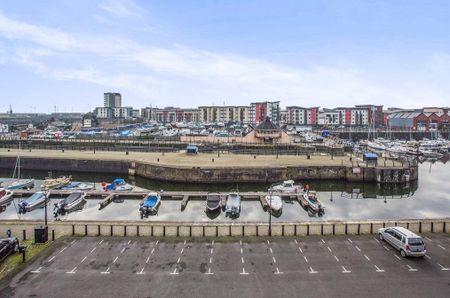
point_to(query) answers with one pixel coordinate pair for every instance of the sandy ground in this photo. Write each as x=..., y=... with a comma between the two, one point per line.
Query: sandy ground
x=199, y=160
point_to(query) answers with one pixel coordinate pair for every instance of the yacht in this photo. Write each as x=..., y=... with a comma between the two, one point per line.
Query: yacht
x=310, y=201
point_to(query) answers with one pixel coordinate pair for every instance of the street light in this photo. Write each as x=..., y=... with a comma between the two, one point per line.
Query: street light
x=270, y=211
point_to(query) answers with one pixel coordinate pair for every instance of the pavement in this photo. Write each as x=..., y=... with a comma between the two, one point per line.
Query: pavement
x=322, y=266
x=181, y=159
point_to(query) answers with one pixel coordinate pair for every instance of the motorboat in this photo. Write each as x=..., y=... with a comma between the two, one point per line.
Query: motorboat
x=74, y=201
x=274, y=203
x=287, y=186
x=21, y=184
x=310, y=202
x=430, y=153
x=6, y=196
x=150, y=204
x=118, y=184
x=376, y=146
x=78, y=186
x=37, y=200
x=233, y=205
x=213, y=202
x=50, y=183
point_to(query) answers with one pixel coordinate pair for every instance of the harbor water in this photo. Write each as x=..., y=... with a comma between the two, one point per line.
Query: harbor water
x=427, y=198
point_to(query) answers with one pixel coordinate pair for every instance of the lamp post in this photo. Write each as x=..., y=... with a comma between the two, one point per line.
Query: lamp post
x=270, y=211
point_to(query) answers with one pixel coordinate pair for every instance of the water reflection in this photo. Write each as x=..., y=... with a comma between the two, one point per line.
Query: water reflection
x=426, y=198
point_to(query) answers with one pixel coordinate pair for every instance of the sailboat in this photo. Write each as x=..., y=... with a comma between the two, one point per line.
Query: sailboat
x=19, y=183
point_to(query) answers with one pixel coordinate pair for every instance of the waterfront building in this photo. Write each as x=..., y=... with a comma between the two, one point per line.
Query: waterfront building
x=170, y=114
x=224, y=114
x=112, y=100
x=302, y=116
x=259, y=111
x=425, y=119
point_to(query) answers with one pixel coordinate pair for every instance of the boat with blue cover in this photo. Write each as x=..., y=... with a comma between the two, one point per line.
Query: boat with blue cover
x=20, y=184
x=37, y=200
x=118, y=184
x=150, y=204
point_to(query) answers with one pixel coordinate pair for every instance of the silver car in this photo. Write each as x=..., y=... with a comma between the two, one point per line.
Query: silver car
x=405, y=241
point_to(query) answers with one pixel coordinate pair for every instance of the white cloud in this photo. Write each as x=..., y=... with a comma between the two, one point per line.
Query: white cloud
x=121, y=8
x=185, y=76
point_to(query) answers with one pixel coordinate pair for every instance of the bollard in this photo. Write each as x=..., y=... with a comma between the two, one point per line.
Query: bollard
x=24, y=235
x=137, y=231
x=24, y=258
x=53, y=235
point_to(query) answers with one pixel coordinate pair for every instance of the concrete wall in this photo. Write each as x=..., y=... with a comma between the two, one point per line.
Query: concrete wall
x=62, y=228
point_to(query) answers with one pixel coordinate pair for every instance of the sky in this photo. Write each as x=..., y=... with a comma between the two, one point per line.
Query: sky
x=63, y=55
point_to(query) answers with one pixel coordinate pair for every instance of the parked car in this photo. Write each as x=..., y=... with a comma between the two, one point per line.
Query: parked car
x=8, y=246
x=408, y=243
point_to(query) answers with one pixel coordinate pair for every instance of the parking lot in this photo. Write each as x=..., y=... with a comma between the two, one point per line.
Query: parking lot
x=327, y=266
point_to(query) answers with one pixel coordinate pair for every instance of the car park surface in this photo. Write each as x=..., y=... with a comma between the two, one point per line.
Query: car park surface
x=327, y=266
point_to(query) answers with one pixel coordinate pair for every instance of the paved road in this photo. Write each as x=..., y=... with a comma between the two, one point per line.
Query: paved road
x=282, y=267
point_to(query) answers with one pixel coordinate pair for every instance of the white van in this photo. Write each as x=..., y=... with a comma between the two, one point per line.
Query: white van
x=405, y=241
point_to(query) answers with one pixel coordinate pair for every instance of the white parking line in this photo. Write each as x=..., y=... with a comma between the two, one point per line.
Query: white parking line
x=345, y=270
x=428, y=239
x=123, y=249
x=184, y=242
x=51, y=259
x=376, y=240
x=278, y=271
x=182, y=250
x=336, y=258
x=37, y=270
x=178, y=261
x=356, y=246
x=441, y=246
x=329, y=249
x=295, y=240
x=242, y=260
x=240, y=242
x=146, y=261
x=243, y=271
x=72, y=271
x=378, y=269
x=367, y=258
x=64, y=248
x=242, y=251
x=153, y=250
x=210, y=259
x=312, y=270
x=115, y=260
x=271, y=251
x=386, y=248
x=268, y=242
x=397, y=257
x=84, y=259
x=209, y=272
x=129, y=241
x=106, y=271
x=274, y=260
x=212, y=250
x=300, y=249
x=93, y=249
x=411, y=268
x=428, y=257
x=323, y=240
x=174, y=271
x=141, y=272
x=100, y=242
x=349, y=240
x=443, y=268
x=306, y=260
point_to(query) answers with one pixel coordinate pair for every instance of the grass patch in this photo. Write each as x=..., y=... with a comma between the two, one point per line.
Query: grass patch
x=15, y=260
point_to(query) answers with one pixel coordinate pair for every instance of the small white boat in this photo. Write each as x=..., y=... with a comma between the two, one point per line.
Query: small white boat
x=78, y=186
x=287, y=186
x=50, y=183
x=6, y=196
x=376, y=146
x=233, y=205
x=310, y=201
x=274, y=203
x=20, y=184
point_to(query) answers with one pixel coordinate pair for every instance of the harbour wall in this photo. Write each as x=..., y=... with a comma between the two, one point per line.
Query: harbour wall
x=25, y=229
x=354, y=173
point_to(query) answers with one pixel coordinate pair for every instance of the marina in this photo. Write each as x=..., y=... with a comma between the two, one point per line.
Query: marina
x=187, y=202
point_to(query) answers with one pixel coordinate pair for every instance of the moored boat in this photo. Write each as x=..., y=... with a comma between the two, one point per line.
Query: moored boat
x=274, y=203
x=310, y=201
x=50, y=183
x=78, y=186
x=20, y=184
x=74, y=201
x=37, y=200
x=119, y=184
x=287, y=186
x=233, y=205
x=212, y=202
x=6, y=196
x=150, y=204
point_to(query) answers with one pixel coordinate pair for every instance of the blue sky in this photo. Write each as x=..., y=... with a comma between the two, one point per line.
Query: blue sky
x=190, y=53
